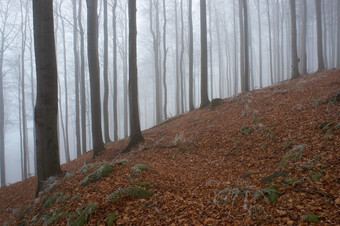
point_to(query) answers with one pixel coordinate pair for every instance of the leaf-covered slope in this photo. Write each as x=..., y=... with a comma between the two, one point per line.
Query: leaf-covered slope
x=270, y=156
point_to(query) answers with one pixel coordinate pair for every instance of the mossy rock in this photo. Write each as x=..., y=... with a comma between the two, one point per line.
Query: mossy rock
x=271, y=193
x=103, y=171
x=133, y=192
x=111, y=219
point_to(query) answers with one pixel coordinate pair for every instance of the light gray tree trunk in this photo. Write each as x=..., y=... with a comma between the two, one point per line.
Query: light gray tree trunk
x=304, y=38
x=338, y=34
x=165, y=51
x=191, y=59
x=106, y=79
x=295, y=60
x=246, y=46
x=115, y=72
x=258, y=5
x=270, y=44
x=321, y=65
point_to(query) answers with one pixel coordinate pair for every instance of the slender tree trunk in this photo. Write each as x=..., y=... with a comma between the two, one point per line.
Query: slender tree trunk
x=210, y=52
x=82, y=80
x=92, y=29
x=338, y=34
x=260, y=42
x=191, y=59
x=321, y=65
x=177, y=94
x=236, y=84
x=165, y=50
x=181, y=79
x=106, y=79
x=125, y=79
x=246, y=46
x=304, y=38
x=241, y=23
x=66, y=140
x=219, y=47
x=2, y=111
x=115, y=72
x=204, y=56
x=136, y=134
x=46, y=109
x=295, y=60
x=270, y=45
x=324, y=33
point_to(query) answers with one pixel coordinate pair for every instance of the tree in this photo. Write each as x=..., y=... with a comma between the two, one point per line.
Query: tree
x=204, y=55
x=246, y=47
x=295, y=60
x=46, y=110
x=191, y=59
x=92, y=34
x=321, y=65
x=304, y=38
x=270, y=44
x=115, y=73
x=165, y=51
x=136, y=134
x=258, y=6
x=338, y=35
x=106, y=79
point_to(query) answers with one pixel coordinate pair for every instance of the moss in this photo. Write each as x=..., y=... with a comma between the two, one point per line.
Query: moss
x=84, y=213
x=103, y=171
x=138, y=168
x=76, y=197
x=315, y=176
x=50, y=202
x=312, y=218
x=147, y=185
x=247, y=174
x=111, y=219
x=130, y=192
x=122, y=162
x=271, y=193
x=62, y=198
x=245, y=130
x=294, y=154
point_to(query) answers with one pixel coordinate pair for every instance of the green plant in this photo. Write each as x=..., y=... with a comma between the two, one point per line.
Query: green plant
x=308, y=167
x=247, y=174
x=50, y=202
x=130, y=192
x=295, y=154
x=122, y=162
x=111, y=219
x=312, y=218
x=138, y=168
x=236, y=140
x=271, y=193
x=246, y=130
x=263, y=147
x=147, y=185
x=267, y=132
x=258, y=119
x=84, y=213
x=274, y=176
x=103, y=171
x=316, y=103
x=293, y=181
x=315, y=176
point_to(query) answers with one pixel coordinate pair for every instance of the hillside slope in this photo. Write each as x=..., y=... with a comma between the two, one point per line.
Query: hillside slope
x=270, y=156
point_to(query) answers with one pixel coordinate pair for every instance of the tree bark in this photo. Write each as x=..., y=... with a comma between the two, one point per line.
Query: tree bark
x=92, y=29
x=321, y=65
x=136, y=134
x=191, y=59
x=270, y=45
x=165, y=51
x=295, y=60
x=338, y=34
x=260, y=42
x=204, y=55
x=106, y=79
x=46, y=110
x=246, y=46
x=115, y=73
x=304, y=38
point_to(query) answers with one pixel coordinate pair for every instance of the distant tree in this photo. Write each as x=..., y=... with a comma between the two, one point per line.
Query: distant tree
x=304, y=38
x=46, y=110
x=258, y=6
x=204, y=55
x=82, y=79
x=92, y=34
x=295, y=60
x=106, y=78
x=136, y=134
x=177, y=94
x=191, y=60
x=321, y=65
x=270, y=44
x=165, y=51
x=115, y=71
x=338, y=34
x=246, y=47
x=242, y=46
x=181, y=62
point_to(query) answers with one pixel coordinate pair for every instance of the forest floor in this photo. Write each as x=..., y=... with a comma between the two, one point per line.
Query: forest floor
x=266, y=157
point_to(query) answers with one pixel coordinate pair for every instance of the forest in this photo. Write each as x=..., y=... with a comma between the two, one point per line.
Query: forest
x=83, y=78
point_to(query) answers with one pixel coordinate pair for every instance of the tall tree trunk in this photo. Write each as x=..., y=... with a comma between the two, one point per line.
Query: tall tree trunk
x=295, y=60
x=270, y=45
x=82, y=80
x=241, y=23
x=219, y=47
x=321, y=65
x=46, y=110
x=338, y=34
x=181, y=79
x=76, y=75
x=92, y=30
x=165, y=50
x=136, y=134
x=260, y=42
x=246, y=46
x=304, y=38
x=66, y=140
x=191, y=59
x=236, y=84
x=115, y=72
x=177, y=94
x=2, y=106
x=106, y=79
x=125, y=79
x=204, y=55
x=324, y=33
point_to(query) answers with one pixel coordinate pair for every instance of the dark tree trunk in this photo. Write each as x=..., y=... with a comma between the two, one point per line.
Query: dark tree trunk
x=46, y=110
x=92, y=30
x=295, y=60
x=338, y=35
x=241, y=17
x=260, y=42
x=321, y=65
x=106, y=78
x=204, y=55
x=246, y=47
x=136, y=134
x=165, y=50
x=270, y=45
x=191, y=59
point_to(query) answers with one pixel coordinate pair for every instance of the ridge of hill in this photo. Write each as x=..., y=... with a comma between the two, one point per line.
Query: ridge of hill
x=269, y=156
